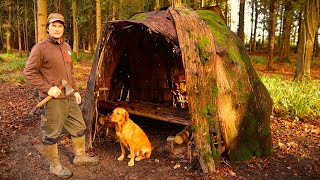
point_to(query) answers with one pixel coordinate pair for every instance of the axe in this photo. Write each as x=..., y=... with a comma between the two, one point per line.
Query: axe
x=64, y=85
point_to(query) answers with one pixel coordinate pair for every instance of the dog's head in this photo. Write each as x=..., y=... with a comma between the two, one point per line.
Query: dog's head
x=119, y=116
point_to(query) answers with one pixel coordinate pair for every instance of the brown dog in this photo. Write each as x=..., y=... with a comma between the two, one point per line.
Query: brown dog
x=131, y=136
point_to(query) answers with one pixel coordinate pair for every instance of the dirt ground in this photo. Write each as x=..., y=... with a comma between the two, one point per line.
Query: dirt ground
x=296, y=146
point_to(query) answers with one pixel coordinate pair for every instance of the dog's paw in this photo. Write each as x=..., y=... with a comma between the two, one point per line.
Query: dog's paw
x=129, y=156
x=120, y=158
x=138, y=158
x=130, y=163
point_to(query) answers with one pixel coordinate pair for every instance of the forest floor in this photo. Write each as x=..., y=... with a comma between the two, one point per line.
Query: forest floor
x=296, y=145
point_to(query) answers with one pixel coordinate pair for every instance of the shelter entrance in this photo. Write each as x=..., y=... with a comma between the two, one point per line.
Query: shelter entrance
x=143, y=72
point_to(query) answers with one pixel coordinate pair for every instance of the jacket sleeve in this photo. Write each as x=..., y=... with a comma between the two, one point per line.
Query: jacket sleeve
x=32, y=71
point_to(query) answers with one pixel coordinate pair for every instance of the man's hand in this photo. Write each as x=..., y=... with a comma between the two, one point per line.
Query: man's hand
x=54, y=91
x=78, y=97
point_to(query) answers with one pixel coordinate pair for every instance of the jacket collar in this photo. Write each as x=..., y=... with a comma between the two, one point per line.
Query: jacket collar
x=52, y=40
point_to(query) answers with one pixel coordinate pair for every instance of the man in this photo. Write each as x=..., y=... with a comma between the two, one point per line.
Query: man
x=48, y=64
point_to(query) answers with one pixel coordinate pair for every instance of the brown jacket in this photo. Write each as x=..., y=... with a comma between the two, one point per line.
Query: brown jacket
x=48, y=64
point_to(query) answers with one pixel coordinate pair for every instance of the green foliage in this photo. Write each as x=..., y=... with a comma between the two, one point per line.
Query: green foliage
x=215, y=153
x=258, y=59
x=85, y=56
x=11, y=67
x=139, y=17
x=297, y=99
x=74, y=57
x=284, y=60
x=203, y=42
x=217, y=26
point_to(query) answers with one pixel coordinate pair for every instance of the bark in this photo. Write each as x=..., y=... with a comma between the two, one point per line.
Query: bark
x=254, y=45
x=252, y=27
x=114, y=10
x=316, y=50
x=243, y=102
x=1, y=37
x=227, y=14
x=26, y=28
x=272, y=29
x=287, y=22
x=199, y=49
x=196, y=4
x=57, y=5
x=8, y=26
x=19, y=29
x=241, y=21
x=35, y=21
x=298, y=30
x=176, y=3
x=156, y=5
x=308, y=32
x=41, y=19
x=87, y=108
x=98, y=18
x=75, y=30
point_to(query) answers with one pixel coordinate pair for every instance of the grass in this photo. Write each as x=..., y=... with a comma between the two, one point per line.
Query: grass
x=296, y=99
x=11, y=66
x=259, y=59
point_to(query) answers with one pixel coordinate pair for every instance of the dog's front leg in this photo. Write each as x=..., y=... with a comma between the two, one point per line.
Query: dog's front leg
x=131, y=162
x=123, y=152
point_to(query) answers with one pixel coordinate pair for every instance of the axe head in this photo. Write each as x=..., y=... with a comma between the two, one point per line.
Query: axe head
x=68, y=89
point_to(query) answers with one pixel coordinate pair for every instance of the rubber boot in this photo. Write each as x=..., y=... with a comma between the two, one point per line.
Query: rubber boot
x=81, y=158
x=51, y=152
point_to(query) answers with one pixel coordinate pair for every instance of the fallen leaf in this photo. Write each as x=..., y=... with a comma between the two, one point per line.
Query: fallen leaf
x=232, y=173
x=177, y=166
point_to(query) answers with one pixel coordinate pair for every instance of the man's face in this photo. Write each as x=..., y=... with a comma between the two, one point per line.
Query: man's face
x=56, y=29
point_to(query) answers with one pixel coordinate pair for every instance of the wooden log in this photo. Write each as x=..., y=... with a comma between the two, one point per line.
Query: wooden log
x=183, y=135
x=150, y=110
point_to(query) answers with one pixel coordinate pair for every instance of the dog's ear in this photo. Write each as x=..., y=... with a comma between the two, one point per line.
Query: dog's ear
x=126, y=115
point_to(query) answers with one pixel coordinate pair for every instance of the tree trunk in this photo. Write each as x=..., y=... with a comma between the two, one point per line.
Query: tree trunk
x=241, y=21
x=280, y=14
x=1, y=38
x=8, y=26
x=200, y=50
x=252, y=27
x=156, y=5
x=287, y=22
x=316, y=50
x=227, y=14
x=26, y=28
x=254, y=46
x=42, y=19
x=272, y=24
x=57, y=6
x=75, y=30
x=305, y=49
x=114, y=10
x=176, y=3
x=35, y=21
x=98, y=18
x=19, y=29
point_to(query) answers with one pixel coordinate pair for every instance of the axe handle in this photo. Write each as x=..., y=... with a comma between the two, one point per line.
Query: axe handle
x=41, y=103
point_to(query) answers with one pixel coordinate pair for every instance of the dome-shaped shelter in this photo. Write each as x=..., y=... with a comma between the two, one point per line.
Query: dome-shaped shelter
x=186, y=67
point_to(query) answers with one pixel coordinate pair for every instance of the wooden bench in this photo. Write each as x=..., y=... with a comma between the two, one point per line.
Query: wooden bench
x=150, y=110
